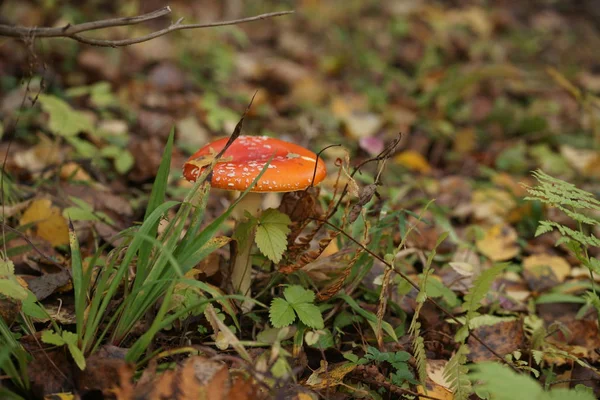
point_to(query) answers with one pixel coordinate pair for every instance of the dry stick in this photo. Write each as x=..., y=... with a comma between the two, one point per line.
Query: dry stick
x=413, y=284
x=73, y=31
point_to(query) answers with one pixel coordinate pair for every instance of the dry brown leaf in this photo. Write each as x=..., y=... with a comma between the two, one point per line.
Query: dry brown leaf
x=197, y=378
x=499, y=243
x=503, y=337
x=51, y=225
x=72, y=170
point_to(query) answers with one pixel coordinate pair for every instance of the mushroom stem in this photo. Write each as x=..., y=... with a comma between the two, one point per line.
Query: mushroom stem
x=241, y=272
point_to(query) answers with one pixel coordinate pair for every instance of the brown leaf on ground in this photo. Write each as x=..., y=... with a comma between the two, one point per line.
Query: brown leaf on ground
x=503, y=337
x=196, y=378
x=582, y=338
x=102, y=372
x=45, y=285
x=50, y=371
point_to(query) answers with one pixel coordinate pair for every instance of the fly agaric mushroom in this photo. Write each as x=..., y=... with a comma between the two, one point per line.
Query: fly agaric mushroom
x=291, y=168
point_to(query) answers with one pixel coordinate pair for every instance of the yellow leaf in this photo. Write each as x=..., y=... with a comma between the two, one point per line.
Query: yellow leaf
x=499, y=243
x=51, y=225
x=437, y=392
x=558, y=265
x=465, y=141
x=59, y=396
x=325, y=377
x=413, y=161
x=491, y=204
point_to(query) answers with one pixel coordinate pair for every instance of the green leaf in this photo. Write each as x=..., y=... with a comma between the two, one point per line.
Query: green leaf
x=7, y=268
x=503, y=383
x=51, y=337
x=281, y=313
x=32, y=309
x=309, y=314
x=124, y=162
x=271, y=234
x=70, y=340
x=79, y=214
x=64, y=120
x=243, y=231
x=9, y=286
x=296, y=294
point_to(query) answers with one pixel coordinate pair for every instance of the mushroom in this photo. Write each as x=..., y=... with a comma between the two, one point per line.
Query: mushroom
x=291, y=168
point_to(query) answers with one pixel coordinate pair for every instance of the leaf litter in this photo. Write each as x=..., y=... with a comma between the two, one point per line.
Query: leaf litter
x=480, y=101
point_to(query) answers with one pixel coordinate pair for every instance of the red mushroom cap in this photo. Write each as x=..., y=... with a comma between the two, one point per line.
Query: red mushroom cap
x=292, y=167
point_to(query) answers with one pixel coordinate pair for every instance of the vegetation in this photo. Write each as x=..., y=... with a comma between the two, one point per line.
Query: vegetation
x=456, y=259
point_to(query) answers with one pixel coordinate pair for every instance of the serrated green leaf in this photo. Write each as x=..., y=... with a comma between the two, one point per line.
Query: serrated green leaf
x=70, y=340
x=64, y=120
x=281, y=313
x=296, y=294
x=309, y=314
x=9, y=286
x=271, y=234
x=7, y=268
x=51, y=337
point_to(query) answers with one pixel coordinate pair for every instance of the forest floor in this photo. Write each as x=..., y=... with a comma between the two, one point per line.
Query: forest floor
x=447, y=268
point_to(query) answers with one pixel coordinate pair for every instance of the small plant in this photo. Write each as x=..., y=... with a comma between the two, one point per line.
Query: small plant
x=500, y=383
x=398, y=361
x=576, y=204
x=297, y=303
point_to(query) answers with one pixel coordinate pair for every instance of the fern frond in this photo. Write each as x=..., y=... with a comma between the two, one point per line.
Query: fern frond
x=456, y=374
x=593, y=299
x=586, y=240
x=480, y=288
x=419, y=354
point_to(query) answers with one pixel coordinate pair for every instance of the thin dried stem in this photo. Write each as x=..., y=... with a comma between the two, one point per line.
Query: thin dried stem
x=74, y=31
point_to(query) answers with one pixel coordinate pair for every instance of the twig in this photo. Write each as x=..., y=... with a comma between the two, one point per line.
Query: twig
x=74, y=31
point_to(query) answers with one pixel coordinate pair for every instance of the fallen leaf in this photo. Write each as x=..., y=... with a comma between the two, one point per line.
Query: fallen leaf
x=413, y=161
x=51, y=225
x=326, y=377
x=559, y=266
x=45, y=285
x=102, y=371
x=585, y=161
x=491, y=204
x=435, y=391
x=499, y=243
x=503, y=337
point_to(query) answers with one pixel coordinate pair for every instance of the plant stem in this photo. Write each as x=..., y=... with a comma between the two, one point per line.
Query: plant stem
x=241, y=271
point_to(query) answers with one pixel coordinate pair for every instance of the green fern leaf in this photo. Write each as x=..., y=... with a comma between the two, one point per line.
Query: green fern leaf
x=479, y=290
x=456, y=373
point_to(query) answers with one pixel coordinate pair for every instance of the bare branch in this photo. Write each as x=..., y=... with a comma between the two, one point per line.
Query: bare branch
x=74, y=31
